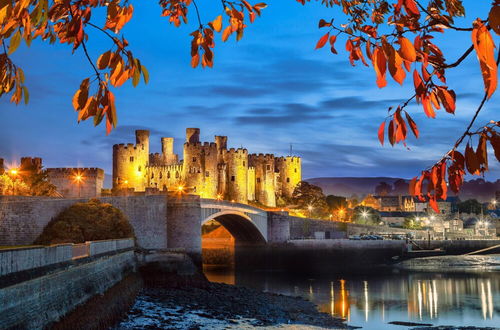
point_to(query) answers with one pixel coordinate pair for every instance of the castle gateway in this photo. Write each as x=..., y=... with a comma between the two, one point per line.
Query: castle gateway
x=208, y=169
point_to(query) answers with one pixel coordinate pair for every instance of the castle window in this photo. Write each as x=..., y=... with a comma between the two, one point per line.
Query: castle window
x=207, y=174
x=176, y=175
x=152, y=175
x=232, y=178
x=268, y=167
x=244, y=164
x=194, y=189
x=139, y=169
x=194, y=159
x=288, y=180
x=161, y=175
x=131, y=159
x=168, y=175
x=295, y=170
x=258, y=180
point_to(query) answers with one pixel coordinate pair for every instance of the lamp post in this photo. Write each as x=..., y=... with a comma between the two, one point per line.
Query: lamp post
x=79, y=180
x=309, y=208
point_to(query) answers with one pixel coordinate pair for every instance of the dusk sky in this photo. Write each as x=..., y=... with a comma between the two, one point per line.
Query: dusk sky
x=266, y=91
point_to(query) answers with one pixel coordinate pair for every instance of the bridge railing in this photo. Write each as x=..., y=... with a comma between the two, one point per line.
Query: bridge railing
x=13, y=260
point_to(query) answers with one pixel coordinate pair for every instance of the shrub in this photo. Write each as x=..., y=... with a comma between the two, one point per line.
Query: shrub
x=88, y=221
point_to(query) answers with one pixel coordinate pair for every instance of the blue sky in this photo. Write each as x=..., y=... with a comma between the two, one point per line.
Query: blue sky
x=266, y=91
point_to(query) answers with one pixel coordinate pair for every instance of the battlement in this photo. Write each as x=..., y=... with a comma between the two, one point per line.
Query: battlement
x=288, y=159
x=240, y=151
x=173, y=167
x=122, y=146
x=261, y=157
x=83, y=171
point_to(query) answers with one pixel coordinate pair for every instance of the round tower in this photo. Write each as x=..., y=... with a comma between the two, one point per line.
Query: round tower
x=264, y=178
x=192, y=170
x=221, y=142
x=210, y=171
x=192, y=135
x=142, y=140
x=289, y=174
x=167, y=149
x=237, y=174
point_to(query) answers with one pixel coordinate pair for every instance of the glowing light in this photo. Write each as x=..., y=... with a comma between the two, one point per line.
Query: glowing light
x=310, y=208
x=78, y=178
x=14, y=171
x=364, y=214
x=219, y=197
x=125, y=182
x=180, y=188
x=494, y=202
x=433, y=217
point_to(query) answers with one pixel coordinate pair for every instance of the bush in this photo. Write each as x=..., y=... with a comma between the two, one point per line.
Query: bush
x=88, y=221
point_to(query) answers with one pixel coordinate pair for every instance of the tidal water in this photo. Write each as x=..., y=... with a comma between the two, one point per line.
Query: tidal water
x=454, y=291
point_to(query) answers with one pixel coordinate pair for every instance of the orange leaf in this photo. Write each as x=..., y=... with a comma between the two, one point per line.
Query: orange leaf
x=494, y=18
x=380, y=66
x=227, y=32
x=426, y=102
x=322, y=41
x=407, y=51
x=471, y=160
x=434, y=204
x=412, y=124
x=381, y=130
x=217, y=23
x=485, y=50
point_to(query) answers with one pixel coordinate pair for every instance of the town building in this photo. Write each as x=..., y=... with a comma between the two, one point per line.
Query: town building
x=208, y=169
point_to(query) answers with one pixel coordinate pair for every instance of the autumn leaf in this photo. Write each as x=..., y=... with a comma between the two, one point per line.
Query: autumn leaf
x=407, y=51
x=412, y=124
x=471, y=160
x=485, y=47
x=493, y=18
x=380, y=65
x=217, y=23
x=322, y=41
x=381, y=131
x=15, y=41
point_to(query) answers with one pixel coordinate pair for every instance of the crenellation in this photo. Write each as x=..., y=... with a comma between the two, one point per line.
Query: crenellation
x=208, y=169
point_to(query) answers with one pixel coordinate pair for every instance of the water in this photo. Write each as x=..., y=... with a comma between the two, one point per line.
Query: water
x=452, y=291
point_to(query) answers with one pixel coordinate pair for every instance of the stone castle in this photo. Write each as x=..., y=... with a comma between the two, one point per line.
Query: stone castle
x=208, y=169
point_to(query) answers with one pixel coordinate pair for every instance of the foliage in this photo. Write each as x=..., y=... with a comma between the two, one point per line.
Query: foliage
x=411, y=223
x=366, y=216
x=383, y=189
x=310, y=199
x=68, y=22
x=27, y=183
x=470, y=206
x=336, y=202
x=88, y=221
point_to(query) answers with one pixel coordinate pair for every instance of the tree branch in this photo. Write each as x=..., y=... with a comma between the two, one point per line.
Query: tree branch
x=463, y=57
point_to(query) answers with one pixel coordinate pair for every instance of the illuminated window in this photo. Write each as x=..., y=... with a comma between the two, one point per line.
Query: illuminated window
x=152, y=175
x=161, y=175
x=176, y=175
x=268, y=167
x=168, y=175
x=207, y=174
x=232, y=178
x=132, y=159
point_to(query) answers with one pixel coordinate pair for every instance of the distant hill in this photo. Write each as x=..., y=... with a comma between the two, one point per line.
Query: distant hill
x=479, y=189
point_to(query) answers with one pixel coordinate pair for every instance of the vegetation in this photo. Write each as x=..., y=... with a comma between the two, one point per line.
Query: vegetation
x=366, y=216
x=311, y=200
x=26, y=183
x=412, y=223
x=396, y=38
x=88, y=221
x=336, y=202
x=470, y=206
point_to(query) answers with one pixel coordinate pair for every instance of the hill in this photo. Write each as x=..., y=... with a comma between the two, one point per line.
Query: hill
x=480, y=189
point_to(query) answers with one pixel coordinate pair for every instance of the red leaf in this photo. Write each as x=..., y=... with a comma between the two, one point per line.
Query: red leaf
x=322, y=41
x=381, y=130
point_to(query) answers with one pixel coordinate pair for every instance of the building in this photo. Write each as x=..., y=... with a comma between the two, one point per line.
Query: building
x=77, y=182
x=208, y=169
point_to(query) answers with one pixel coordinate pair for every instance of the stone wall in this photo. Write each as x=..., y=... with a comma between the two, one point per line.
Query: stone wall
x=22, y=219
x=36, y=303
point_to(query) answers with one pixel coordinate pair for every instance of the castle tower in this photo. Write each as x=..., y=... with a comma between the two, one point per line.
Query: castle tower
x=264, y=178
x=192, y=170
x=130, y=162
x=210, y=171
x=2, y=168
x=221, y=142
x=289, y=174
x=192, y=135
x=237, y=174
x=167, y=149
x=29, y=164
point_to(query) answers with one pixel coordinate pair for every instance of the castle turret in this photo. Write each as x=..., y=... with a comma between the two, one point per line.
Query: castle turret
x=221, y=142
x=289, y=174
x=264, y=178
x=237, y=174
x=192, y=135
x=29, y=164
x=2, y=168
x=167, y=148
x=130, y=162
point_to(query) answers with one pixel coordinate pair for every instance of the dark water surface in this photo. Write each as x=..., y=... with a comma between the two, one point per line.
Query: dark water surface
x=454, y=291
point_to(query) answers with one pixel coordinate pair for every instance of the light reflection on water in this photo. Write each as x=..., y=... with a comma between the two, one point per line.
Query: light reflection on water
x=373, y=300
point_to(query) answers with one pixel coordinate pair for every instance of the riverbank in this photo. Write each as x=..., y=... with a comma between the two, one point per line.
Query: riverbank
x=218, y=305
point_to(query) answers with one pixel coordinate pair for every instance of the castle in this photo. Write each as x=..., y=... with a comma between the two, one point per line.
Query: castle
x=208, y=169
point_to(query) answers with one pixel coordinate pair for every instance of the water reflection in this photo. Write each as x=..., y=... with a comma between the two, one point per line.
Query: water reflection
x=371, y=301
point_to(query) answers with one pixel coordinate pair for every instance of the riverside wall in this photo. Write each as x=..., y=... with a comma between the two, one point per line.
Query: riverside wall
x=40, y=285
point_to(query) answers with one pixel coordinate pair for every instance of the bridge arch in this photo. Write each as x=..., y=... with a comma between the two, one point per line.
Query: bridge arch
x=239, y=224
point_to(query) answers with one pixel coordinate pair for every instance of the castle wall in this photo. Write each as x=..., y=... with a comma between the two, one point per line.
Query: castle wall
x=164, y=177
x=67, y=184
x=210, y=171
x=290, y=174
x=237, y=174
x=264, y=178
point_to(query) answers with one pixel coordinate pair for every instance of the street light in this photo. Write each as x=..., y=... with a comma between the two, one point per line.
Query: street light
x=309, y=208
x=78, y=179
x=14, y=172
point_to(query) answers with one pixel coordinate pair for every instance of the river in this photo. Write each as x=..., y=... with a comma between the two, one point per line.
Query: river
x=455, y=291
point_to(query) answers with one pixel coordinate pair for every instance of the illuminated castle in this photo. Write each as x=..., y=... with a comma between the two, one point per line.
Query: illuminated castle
x=208, y=169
